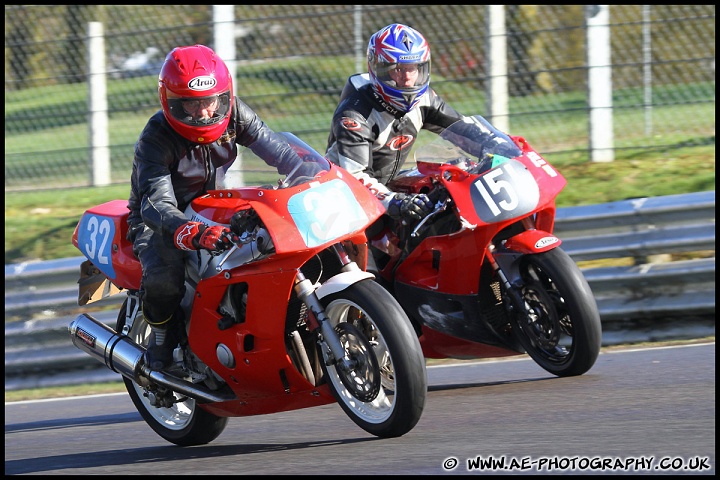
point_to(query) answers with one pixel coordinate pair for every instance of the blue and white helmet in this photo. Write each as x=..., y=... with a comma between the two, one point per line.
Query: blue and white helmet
x=395, y=49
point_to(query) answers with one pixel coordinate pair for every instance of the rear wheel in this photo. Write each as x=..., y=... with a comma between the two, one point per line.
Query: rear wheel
x=384, y=389
x=559, y=324
x=177, y=418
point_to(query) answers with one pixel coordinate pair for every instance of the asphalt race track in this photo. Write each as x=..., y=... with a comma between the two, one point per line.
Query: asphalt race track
x=637, y=411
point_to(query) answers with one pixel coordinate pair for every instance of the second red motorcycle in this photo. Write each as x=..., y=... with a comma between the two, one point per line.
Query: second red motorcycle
x=483, y=275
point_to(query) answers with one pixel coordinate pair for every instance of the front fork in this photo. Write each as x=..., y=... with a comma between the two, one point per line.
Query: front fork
x=330, y=344
x=509, y=274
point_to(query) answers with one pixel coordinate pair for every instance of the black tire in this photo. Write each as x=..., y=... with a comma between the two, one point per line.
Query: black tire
x=562, y=331
x=397, y=363
x=184, y=423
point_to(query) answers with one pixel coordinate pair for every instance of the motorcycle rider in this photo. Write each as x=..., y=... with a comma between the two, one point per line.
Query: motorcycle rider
x=180, y=155
x=381, y=112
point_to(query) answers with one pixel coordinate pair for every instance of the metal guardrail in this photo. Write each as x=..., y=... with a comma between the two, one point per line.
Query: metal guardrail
x=638, y=230
x=645, y=300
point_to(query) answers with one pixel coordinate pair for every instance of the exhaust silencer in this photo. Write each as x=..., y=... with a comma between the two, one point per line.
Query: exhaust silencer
x=122, y=355
x=101, y=342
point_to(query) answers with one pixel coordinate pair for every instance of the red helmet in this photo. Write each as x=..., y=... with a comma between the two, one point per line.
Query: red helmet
x=195, y=79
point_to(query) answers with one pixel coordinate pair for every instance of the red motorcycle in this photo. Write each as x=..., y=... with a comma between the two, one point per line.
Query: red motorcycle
x=286, y=319
x=483, y=275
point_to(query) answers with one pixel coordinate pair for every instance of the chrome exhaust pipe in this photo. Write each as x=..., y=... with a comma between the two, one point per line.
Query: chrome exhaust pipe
x=101, y=342
x=122, y=355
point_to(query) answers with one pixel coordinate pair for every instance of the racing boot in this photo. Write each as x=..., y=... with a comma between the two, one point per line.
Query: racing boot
x=162, y=342
x=159, y=353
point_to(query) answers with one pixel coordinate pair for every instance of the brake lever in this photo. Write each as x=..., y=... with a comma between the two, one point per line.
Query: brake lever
x=439, y=207
x=226, y=255
x=241, y=240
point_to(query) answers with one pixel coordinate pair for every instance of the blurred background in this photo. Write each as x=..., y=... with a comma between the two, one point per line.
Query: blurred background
x=290, y=63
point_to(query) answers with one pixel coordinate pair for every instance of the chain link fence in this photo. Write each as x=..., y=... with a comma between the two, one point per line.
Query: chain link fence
x=292, y=61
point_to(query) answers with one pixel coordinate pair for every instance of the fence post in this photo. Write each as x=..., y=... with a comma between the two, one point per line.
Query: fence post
x=497, y=68
x=224, y=37
x=224, y=41
x=98, y=135
x=600, y=83
x=360, y=47
x=647, y=68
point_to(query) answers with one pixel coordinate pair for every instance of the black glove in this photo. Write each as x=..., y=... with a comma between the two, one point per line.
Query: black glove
x=244, y=221
x=409, y=207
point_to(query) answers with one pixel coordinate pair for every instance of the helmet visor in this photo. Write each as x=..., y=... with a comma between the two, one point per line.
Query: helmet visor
x=199, y=111
x=403, y=76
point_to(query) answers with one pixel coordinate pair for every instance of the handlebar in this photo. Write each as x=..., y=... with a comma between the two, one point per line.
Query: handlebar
x=440, y=206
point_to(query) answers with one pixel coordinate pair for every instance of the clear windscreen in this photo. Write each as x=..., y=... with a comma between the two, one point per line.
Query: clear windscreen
x=468, y=141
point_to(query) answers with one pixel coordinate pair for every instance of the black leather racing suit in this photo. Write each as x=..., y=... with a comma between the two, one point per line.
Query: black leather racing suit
x=168, y=172
x=371, y=139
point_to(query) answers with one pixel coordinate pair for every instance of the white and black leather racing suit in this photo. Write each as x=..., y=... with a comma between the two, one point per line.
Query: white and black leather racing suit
x=371, y=139
x=169, y=172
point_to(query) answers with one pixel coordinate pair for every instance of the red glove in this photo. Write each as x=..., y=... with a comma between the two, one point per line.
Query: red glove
x=197, y=235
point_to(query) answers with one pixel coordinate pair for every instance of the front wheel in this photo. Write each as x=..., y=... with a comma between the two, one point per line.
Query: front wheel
x=385, y=388
x=179, y=419
x=558, y=323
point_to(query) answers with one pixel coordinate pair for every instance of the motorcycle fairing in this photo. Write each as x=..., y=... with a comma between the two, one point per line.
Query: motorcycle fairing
x=507, y=191
x=310, y=215
x=326, y=212
x=453, y=314
x=513, y=189
x=101, y=237
x=443, y=260
x=258, y=373
x=436, y=344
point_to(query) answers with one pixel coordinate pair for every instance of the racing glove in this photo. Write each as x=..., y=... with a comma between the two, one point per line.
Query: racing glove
x=244, y=221
x=197, y=235
x=409, y=207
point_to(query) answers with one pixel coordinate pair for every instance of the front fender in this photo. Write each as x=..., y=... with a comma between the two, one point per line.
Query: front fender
x=533, y=241
x=341, y=281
